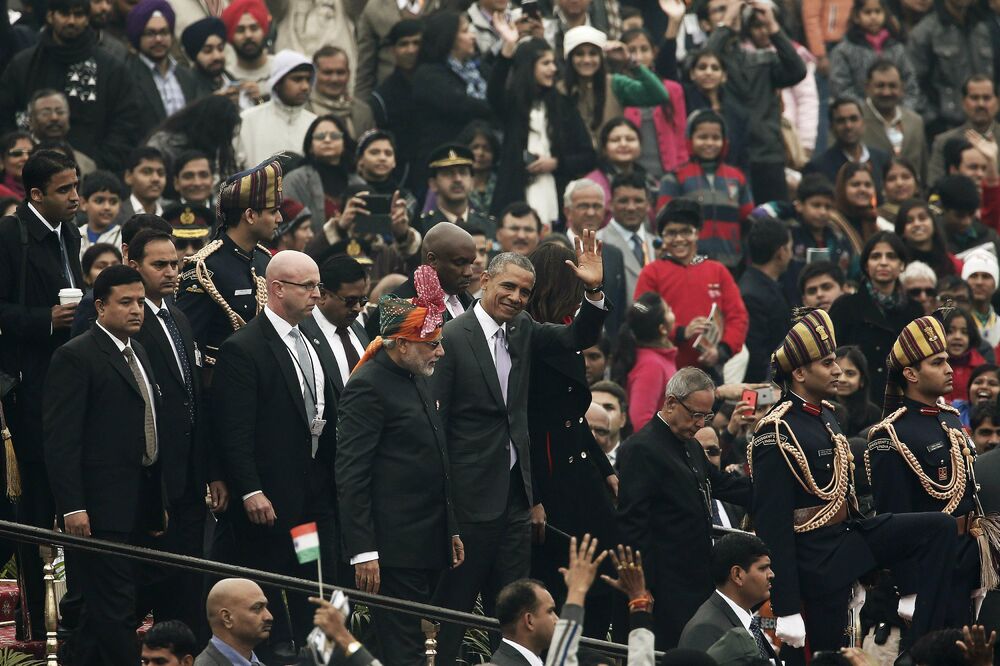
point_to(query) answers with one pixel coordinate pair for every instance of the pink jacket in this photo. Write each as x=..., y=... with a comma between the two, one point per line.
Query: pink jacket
x=647, y=382
x=672, y=140
x=801, y=102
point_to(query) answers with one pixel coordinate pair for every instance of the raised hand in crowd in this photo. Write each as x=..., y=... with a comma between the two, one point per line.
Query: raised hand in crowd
x=631, y=579
x=989, y=149
x=355, y=206
x=508, y=33
x=588, y=268
x=978, y=649
x=582, y=570
x=400, y=217
x=675, y=10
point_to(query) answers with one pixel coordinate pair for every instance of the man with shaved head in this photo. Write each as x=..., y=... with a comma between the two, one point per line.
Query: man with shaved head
x=240, y=620
x=276, y=437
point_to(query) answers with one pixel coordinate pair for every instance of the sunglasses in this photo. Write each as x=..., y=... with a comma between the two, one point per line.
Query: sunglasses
x=917, y=292
x=20, y=152
x=323, y=136
x=351, y=301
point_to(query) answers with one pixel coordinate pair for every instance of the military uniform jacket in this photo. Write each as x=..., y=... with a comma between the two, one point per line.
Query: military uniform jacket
x=825, y=558
x=472, y=218
x=221, y=289
x=932, y=440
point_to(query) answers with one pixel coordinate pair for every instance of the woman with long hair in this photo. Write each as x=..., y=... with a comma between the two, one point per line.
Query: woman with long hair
x=572, y=477
x=449, y=91
x=900, y=182
x=16, y=148
x=482, y=140
x=618, y=152
x=645, y=359
x=600, y=95
x=320, y=181
x=208, y=125
x=873, y=317
x=924, y=238
x=853, y=392
x=854, y=199
x=546, y=143
x=983, y=389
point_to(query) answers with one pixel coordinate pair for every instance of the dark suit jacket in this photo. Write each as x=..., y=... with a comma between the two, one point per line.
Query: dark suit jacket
x=325, y=351
x=260, y=423
x=508, y=656
x=828, y=163
x=988, y=477
x=28, y=341
x=479, y=425
x=769, y=321
x=713, y=619
x=94, y=418
x=149, y=96
x=183, y=443
x=392, y=468
x=614, y=289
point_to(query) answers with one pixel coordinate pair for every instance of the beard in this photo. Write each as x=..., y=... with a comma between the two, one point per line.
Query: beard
x=250, y=50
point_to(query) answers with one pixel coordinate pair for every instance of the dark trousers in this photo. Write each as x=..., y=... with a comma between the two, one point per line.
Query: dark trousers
x=106, y=632
x=400, y=639
x=271, y=549
x=917, y=545
x=36, y=508
x=767, y=180
x=497, y=552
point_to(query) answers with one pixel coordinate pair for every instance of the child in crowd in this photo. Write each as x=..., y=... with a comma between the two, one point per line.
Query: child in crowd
x=100, y=202
x=983, y=390
x=720, y=188
x=962, y=339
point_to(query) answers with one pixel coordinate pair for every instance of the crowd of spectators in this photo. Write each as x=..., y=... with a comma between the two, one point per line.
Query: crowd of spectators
x=610, y=191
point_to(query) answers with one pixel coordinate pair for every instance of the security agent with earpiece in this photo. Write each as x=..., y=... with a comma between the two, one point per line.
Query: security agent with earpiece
x=805, y=509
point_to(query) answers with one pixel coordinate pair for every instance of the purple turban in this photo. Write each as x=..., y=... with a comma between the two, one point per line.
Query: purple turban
x=137, y=19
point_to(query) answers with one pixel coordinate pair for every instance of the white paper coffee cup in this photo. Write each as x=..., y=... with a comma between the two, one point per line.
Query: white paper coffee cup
x=70, y=295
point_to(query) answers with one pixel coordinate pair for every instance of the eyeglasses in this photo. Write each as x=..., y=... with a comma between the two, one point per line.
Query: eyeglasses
x=349, y=301
x=712, y=451
x=687, y=232
x=20, y=152
x=433, y=344
x=917, y=292
x=323, y=136
x=48, y=113
x=600, y=432
x=704, y=417
x=308, y=286
x=165, y=32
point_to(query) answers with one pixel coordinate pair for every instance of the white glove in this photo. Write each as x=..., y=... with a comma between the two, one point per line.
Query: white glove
x=791, y=630
x=906, y=606
x=857, y=597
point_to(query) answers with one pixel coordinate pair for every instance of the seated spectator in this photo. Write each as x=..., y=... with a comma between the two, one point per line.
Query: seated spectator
x=168, y=643
x=98, y=257
x=853, y=393
x=980, y=106
x=204, y=43
x=983, y=390
x=944, y=48
x=449, y=170
x=854, y=201
x=479, y=137
x=332, y=95
x=645, y=358
x=820, y=285
x=770, y=247
x=900, y=181
x=983, y=275
x=628, y=228
x=104, y=106
x=248, y=24
x=958, y=198
x=449, y=91
x=17, y=147
x=664, y=122
x=719, y=187
x=375, y=166
x=520, y=228
x=375, y=48
x=848, y=126
x=873, y=317
x=239, y=619
x=741, y=567
x=295, y=231
x=539, y=156
x=392, y=101
x=924, y=238
x=872, y=36
x=101, y=195
x=164, y=87
x=280, y=124
x=193, y=179
x=962, y=338
x=890, y=126
x=618, y=152
x=985, y=427
x=210, y=126
x=600, y=95
x=596, y=359
x=693, y=285
x=320, y=181
x=919, y=282
x=146, y=176
x=49, y=120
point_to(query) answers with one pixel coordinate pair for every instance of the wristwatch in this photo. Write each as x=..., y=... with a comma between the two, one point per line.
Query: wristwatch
x=596, y=290
x=352, y=647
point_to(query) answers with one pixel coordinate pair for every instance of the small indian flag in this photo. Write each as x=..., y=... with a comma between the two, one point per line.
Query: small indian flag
x=306, y=541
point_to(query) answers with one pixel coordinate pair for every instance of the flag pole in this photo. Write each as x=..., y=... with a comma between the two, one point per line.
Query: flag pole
x=319, y=571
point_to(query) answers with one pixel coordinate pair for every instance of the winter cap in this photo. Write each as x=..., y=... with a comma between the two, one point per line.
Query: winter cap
x=981, y=261
x=583, y=34
x=284, y=62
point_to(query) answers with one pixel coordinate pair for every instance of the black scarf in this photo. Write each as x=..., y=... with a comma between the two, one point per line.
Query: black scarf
x=67, y=54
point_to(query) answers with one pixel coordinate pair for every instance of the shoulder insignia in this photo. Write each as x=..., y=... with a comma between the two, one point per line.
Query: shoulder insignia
x=260, y=246
x=776, y=414
x=769, y=439
x=194, y=289
x=881, y=444
x=204, y=252
x=829, y=405
x=889, y=420
x=945, y=407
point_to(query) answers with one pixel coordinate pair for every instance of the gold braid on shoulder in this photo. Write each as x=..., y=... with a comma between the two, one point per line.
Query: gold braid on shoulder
x=835, y=492
x=205, y=280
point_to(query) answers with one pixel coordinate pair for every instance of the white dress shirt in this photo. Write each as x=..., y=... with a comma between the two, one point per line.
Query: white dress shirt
x=137, y=206
x=336, y=343
x=532, y=658
x=156, y=313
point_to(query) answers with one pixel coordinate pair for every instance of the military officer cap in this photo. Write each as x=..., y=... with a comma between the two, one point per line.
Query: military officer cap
x=921, y=338
x=258, y=188
x=449, y=155
x=189, y=221
x=810, y=339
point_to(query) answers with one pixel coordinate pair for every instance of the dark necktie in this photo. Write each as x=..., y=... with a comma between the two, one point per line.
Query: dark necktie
x=637, y=250
x=175, y=337
x=349, y=350
x=716, y=514
x=759, y=638
x=149, y=426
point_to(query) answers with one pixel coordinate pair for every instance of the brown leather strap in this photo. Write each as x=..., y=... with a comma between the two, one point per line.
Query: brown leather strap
x=802, y=516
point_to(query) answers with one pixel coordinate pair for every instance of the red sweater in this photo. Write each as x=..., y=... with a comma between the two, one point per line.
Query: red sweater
x=690, y=291
x=963, y=367
x=647, y=383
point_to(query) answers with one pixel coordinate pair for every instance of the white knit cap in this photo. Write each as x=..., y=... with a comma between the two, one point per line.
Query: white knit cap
x=583, y=34
x=283, y=62
x=981, y=262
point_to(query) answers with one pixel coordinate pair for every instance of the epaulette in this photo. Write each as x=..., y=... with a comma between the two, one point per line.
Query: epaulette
x=774, y=416
x=945, y=407
x=262, y=248
x=204, y=252
x=889, y=420
x=829, y=405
